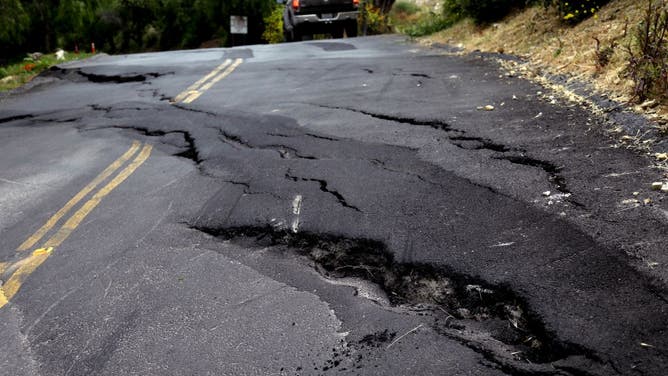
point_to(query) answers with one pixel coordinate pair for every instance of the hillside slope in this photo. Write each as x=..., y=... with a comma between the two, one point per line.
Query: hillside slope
x=550, y=46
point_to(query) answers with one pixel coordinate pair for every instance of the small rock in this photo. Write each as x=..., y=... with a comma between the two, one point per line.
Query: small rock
x=649, y=104
x=664, y=188
x=657, y=185
x=35, y=56
x=647, y=201
x=486, y=108
x=636, y=193
x=464, y=313
x=547, y=193
x=630, y=201
x=661, y=156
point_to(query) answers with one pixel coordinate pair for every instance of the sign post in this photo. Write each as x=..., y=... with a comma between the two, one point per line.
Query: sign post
x=238, y=26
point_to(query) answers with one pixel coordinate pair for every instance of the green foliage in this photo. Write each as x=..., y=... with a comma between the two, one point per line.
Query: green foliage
x=21, y=70
x=484, y=11
x=648, y=53
x=428, y=24
x=453, y=10
x=123, y=25
x=481, y=11
x=574, y=11
x=14, y=21
x=273, y=26
x=406, y=8
x=375, y=21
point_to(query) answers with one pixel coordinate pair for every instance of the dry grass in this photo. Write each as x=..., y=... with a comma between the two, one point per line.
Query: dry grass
x=551, y=46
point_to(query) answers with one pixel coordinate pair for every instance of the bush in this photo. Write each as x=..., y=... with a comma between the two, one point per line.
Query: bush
x=485, y=11
x=273, y=26
x=482, y=11
x=574, y=11
x=405, y=8
x=648, y=53
x=427, y=25
x=373, y=20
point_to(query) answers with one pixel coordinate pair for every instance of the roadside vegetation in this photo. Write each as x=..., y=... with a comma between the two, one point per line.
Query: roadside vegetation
x=619, y=46
x=20, y=71
x=119, y=26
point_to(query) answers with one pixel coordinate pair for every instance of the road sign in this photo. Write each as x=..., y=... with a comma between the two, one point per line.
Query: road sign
x=238, y=25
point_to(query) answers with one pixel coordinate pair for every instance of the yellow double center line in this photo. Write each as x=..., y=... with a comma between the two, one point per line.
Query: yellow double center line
x=205, y=83
x=18, y=271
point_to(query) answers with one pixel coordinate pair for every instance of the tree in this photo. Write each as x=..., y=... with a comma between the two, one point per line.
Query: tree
x=14, y=22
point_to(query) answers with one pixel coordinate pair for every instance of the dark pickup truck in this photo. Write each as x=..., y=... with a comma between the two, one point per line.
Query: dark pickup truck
x=303, y=18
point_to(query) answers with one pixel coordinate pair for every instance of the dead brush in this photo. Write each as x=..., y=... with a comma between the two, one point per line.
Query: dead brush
x=604, y=54
x=648, y=54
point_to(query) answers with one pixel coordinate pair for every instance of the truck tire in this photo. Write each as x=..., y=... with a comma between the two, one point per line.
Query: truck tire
x=292, y=35
x=351, y=29
x=337, y=31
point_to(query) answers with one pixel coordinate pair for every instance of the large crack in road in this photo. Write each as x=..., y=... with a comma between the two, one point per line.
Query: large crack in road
x=424, y=235
x=489, y=301
x=490, y=319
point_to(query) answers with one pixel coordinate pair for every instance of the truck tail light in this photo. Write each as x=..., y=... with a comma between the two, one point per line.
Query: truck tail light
x=295, y=4
x=356, y=3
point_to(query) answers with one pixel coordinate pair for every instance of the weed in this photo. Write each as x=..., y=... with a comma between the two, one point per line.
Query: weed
x=604, y=54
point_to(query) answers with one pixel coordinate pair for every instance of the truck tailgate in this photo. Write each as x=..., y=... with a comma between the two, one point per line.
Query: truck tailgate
x=325, y=6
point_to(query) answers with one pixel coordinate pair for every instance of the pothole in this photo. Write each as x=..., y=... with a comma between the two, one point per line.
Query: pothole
x=490, y=319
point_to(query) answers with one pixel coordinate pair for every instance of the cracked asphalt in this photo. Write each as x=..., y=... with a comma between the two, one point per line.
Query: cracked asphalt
x=330, y=207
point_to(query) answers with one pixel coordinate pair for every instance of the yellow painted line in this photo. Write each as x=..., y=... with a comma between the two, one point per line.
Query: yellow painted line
x=196, y=94
x=34, y=238
x=74, y=221
x=21, y=269
x=193, y=88
x=28, y=265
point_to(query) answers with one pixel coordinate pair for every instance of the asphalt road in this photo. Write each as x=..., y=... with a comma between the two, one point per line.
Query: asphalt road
x=329, y=207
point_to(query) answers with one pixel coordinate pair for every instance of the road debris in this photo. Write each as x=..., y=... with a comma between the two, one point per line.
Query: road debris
x=657, y=186
x=502, y=244
x=404, y=335
x=488, y=107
